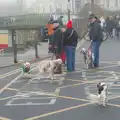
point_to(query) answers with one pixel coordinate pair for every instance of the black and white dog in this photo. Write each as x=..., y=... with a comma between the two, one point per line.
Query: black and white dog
x=101, y=97
x=87, y=57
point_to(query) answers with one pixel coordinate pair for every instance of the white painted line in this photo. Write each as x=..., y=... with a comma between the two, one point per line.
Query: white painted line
x=80, y=44
x=116, y=88
x=108, y=62
x=32, y=98
x=10, y=103
x=112, y=72
x=12, y=73
x=28, y=104
x=13, y=81
x=33, y=66
x=115, y=76
x=52, y=101
x=9, y=74
x=118, y=62
x=57, y=90
x=98, y=77
x=9, y=84
x=84, y=76
x=108, y=67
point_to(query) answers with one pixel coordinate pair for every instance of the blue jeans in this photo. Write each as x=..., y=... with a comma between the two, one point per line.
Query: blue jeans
x=70, y=55
x=95, y=51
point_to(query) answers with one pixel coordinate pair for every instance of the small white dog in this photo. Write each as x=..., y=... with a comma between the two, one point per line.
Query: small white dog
x=101, y=97
x=26, y=67
x=49, y=66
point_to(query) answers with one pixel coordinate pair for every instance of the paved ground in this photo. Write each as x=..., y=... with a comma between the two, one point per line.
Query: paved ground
x=38, y=99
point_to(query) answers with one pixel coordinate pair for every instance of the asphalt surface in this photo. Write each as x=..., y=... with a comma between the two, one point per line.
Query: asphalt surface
x=38, y=99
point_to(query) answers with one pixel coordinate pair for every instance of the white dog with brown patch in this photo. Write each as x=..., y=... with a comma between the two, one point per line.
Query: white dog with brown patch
x=49, y=66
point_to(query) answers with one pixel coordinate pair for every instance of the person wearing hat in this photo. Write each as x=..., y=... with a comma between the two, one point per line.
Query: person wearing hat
x=95, y=37
x=70, y=43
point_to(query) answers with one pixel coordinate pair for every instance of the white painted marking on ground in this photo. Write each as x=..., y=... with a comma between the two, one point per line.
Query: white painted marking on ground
x=32, y=98
x=108, y=66
x=11, y=102
x=13, y=81
x=118, y=62
x=112, y=72
x=9, y=84
x=52, y=101
x=80, y=44
x=115, y=76
x=83, y=74
x=26, y=95
x=32, y=104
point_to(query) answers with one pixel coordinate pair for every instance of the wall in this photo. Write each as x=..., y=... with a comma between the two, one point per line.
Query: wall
x=3, y=38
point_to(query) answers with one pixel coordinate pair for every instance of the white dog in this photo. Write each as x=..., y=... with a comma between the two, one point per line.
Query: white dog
x=26, y=67
x=49, y=66
x=86, y=57
x=101, y=97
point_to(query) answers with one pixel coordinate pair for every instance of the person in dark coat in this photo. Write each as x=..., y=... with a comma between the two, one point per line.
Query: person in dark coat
x=96, y=38
x=110, y=25
x=56, y=39
x=70, y=43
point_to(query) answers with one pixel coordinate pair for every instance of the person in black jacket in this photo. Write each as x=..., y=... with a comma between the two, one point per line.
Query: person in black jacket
x=96, y=38
x=56, y=40
x=70, y=43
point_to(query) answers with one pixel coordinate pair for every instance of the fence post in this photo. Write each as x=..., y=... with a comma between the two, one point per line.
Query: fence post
x=36, y=49
x=36, y=46
x=14, y=45
x=68, y=9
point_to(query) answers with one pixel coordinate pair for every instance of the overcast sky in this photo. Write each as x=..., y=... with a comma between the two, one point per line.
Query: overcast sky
x=14, y=1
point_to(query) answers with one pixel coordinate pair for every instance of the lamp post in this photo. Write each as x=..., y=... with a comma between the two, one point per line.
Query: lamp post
x=92, y=5
x=68, y=9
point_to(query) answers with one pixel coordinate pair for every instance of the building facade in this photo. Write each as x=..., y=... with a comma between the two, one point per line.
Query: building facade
x=41, y=6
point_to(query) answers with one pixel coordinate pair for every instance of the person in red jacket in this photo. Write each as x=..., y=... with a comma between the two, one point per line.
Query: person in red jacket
x=70, y=43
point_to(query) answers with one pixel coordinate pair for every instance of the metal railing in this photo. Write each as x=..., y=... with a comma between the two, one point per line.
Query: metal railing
x=22, y=21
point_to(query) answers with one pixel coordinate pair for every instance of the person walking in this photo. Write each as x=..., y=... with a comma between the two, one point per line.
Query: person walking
x=70, y=43
x=96, y=38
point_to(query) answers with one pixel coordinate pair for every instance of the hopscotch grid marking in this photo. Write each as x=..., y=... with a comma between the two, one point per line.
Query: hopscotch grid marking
x=30, y=104
x=34, y=98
